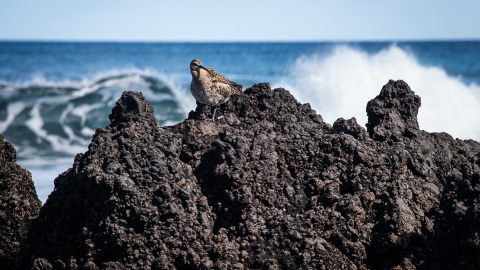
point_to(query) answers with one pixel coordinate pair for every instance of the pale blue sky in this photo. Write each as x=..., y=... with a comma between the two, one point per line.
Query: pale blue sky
x=246, y=20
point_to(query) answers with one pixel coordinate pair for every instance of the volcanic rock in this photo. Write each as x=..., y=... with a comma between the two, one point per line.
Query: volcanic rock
x=19, y=204
x=268, y=185
x=393, y=113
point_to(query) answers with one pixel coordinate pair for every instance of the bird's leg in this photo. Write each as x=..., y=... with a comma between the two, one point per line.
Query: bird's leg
x=214, y=111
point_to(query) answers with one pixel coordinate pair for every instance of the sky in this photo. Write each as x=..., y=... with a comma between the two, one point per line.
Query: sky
x=246, y=20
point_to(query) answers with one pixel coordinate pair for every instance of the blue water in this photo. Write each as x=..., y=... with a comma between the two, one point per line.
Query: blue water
x=54, y=95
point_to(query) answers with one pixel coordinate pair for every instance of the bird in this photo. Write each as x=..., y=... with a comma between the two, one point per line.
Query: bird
x=210, y=87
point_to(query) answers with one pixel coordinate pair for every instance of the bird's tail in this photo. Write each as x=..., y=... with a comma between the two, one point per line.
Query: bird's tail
x=237, y=87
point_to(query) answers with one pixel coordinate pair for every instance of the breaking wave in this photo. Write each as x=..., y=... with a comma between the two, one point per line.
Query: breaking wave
x=57, y=119
x=340, y=83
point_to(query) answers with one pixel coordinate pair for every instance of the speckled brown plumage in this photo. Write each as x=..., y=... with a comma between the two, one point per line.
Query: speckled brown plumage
x=210, y=87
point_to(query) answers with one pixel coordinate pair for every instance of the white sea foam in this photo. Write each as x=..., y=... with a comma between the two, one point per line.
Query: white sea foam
x=58, y=144
x=133, y=80
x=341, y=83
x=121, y=78
x=13, y=109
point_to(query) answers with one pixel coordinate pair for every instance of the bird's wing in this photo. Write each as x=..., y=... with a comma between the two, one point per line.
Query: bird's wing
x=227, y=89
x=217, y=77
x=237, y=87
x=230, y=87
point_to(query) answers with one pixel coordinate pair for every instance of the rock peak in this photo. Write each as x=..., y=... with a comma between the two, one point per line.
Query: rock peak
x=393, y=113
x=132, y=106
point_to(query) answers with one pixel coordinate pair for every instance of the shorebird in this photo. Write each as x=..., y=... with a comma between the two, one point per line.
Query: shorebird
x=209, y=87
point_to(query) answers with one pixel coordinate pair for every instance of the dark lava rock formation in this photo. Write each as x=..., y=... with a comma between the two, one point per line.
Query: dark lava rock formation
x=19, y=204
x=268, y=185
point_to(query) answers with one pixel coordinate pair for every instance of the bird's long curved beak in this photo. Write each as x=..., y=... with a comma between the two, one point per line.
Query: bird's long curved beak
x=206, y=70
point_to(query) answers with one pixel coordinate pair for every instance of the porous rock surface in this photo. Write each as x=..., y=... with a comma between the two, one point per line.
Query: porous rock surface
x=19, y=204
x=268, y=185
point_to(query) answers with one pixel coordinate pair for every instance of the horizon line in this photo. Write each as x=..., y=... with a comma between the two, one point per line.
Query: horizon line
x=242, y=41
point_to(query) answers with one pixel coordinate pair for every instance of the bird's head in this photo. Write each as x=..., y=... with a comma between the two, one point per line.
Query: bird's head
x=195, y=67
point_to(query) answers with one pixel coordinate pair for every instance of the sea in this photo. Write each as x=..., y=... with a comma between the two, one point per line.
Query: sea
x=54, y=95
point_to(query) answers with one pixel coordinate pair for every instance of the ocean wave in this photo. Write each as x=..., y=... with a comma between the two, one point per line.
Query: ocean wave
x=58, y=118
x=119, y=78
x=341, y=83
